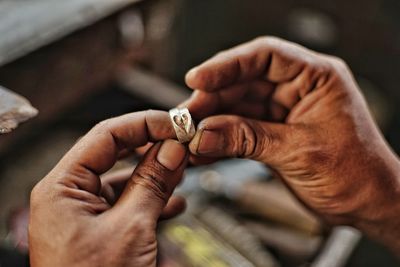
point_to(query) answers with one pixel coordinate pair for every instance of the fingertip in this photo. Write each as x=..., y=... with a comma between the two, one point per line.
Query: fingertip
x=201, y=78
x=172, y=154
x=191, y=78
x=175, y=206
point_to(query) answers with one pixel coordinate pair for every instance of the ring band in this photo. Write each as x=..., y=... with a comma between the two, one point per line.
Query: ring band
x=183, y=124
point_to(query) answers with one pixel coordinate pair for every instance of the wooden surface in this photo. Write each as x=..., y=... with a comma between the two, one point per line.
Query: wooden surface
x=14, y=109
x=28, y=25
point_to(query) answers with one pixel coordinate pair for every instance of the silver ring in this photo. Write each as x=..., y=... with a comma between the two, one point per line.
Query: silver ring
x=183, y=124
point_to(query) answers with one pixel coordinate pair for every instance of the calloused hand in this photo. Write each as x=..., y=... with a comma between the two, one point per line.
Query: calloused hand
x=79, y=219
x=302, y=114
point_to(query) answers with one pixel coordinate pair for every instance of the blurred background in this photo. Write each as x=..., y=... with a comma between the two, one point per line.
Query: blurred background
x=78, y=62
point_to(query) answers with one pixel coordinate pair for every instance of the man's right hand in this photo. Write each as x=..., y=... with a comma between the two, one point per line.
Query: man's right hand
x=302, y=114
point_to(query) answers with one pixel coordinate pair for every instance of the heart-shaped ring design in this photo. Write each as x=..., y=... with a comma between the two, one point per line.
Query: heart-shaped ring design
x=183, y=124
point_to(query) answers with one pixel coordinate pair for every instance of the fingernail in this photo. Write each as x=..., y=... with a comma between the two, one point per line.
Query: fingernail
x=171, y=154
x=210, y=142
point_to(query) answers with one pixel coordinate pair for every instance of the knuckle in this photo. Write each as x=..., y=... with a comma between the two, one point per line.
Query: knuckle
x=319, y=72
x=102, y=126
x=341, y=75
x=250, y=139
x=152, y=178
x=220, y=54
x=330, y=69
x=260, y=40
x=268, y=40
x=338, y=65
x=319, y=66
x=149, y=113
x=245, y=139
x=339, y=62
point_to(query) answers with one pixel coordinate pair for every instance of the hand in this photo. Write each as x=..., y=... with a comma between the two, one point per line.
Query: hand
x=78, y=219
x=304, y=116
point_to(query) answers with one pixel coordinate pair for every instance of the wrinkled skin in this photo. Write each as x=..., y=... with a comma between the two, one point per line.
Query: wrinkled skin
x=302, y=114
x=297, y=111
x=78, y=219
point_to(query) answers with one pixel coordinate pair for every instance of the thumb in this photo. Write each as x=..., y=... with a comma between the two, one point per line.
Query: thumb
x=234, y=136
x=152, y=182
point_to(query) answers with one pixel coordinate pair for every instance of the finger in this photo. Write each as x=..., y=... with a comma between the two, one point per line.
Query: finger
x=200, y=161
x=124, y=153
x=226, y=98
x=175, y=206
x=288, y=94
x=215, y=105
x=216, y=101
x=140, y=151
x=98, y=150
x=270, y=58
x=276, y=112
x=108, y=193
x=233, y=136
x=117, y=177
x=250, y=110
x=114, y=183
x=153, y=181
x=260, y=90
